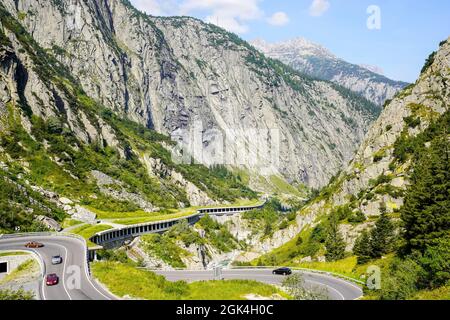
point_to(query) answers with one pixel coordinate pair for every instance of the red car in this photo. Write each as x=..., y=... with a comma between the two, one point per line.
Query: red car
x=51, y=280
x=34, y=244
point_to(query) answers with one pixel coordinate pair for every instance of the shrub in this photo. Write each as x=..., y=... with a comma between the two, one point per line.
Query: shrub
x=429, y=62
x=436, y=263
x=357, y=217
x=113, y=255
x=16, y=295
x=412, y=122
x=400, y=281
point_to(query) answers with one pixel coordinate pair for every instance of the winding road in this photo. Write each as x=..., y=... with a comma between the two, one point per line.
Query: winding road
x=77, y=284
x=334, y=288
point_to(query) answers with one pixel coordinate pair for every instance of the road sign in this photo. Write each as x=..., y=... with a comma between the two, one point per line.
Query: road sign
x=218, y=273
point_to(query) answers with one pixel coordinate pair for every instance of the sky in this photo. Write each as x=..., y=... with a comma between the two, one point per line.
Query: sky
x=394, y=35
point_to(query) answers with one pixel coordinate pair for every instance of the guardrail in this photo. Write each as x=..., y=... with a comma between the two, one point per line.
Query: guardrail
x=52, y=234
x=329, y=273
x=130, y=231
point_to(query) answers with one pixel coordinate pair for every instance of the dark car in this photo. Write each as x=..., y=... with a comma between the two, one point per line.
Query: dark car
x=34, y=245
x=51, y=280
x=282, y=271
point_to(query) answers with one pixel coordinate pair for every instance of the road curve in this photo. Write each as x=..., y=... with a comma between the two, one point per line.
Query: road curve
x=336, y=289
x=73, y=252
x=75, y=282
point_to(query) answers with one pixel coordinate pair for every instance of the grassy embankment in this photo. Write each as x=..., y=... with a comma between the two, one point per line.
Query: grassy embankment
x=24, y=270
x=125, y=280
x=13, y=253
x=137, y=217
x=86, y=231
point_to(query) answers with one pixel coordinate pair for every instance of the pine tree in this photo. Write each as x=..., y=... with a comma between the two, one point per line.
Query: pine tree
x=363, y=248
x=334, y=243
x=426, y=213
x=382, y=236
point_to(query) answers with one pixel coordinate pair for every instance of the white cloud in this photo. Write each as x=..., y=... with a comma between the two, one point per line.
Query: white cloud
x=157, y=7
x=232, y=15
x=319, y=7
x=278, y=19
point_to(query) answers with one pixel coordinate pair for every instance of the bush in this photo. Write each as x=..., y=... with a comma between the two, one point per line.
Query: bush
x=400, y=282
x=113, y=255
x=16, y=295
x=295, y=286
x=218, y=234
x=309, y=248
x=319, y=233
x=436, y=264
x=412, y=122
x=283, y=225
x=429, y=62
x=357, y=217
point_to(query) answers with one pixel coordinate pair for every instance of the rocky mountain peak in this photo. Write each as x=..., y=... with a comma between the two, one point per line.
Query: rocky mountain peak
x=317, y=61
x=299, y=46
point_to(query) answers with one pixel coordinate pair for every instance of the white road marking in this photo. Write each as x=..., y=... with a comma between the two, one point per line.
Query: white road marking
x=42, y=263
x=204, y=274
x=64, y=269
x=325, y=285
x=85, y=267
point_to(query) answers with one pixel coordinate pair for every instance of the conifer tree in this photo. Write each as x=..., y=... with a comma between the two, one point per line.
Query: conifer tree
x=334, y=243
x=382, y=236
x=362, y=248
x=426, y=213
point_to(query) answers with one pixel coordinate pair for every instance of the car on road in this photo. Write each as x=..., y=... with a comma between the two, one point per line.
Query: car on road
x=282, y=271
x=34, y=245
x=51, y=279
x=56, y=260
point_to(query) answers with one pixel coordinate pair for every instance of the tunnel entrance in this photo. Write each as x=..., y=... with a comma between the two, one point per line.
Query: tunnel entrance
x=3, y=267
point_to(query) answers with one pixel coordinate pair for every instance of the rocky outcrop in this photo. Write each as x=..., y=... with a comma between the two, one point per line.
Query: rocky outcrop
x=315, y=60
x=257, y=243
x=117, y=190
x=195, y=196
x=172, y=74
x=360, y=184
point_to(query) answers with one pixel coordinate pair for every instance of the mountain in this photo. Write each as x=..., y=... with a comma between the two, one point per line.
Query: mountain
x=177, y=74
x=63, y=154
x=317, y=61
x=400, y=171
x=374, y=69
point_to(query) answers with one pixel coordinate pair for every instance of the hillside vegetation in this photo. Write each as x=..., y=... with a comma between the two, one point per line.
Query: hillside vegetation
x=393, y=200
x=47, y=154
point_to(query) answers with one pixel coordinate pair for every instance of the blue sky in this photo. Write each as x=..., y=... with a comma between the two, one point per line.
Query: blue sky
x=409, y=29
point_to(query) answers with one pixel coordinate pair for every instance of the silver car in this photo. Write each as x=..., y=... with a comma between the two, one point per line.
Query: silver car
x=57, y=260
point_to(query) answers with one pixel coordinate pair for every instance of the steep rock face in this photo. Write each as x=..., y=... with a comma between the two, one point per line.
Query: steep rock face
x=172, y=73
x=315, y=60
x=375, y=180
x=257, y=243
x=56, y=142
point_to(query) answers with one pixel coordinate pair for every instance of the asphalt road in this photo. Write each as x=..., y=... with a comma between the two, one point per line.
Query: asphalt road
x=74, y=266
x=335, y=288
x=74, y=279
